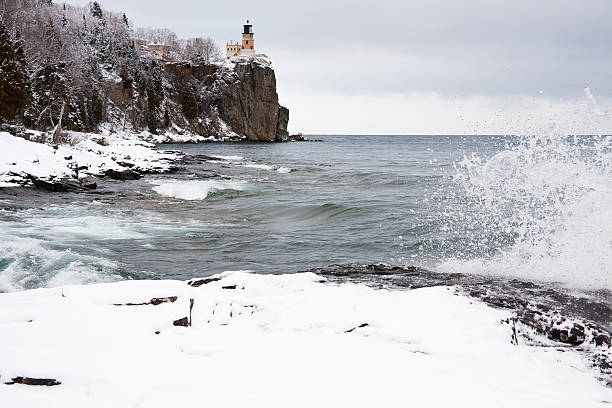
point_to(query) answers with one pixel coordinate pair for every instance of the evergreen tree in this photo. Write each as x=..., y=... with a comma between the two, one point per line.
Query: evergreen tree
x=64, y=19
x=167, y=121
x=96, y=10
x=95, y=110
x=50, y=90
x=12, y=77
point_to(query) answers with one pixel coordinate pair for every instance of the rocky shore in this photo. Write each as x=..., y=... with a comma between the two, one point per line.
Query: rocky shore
x=29, y=160
x=277, y=340
x=543, y=315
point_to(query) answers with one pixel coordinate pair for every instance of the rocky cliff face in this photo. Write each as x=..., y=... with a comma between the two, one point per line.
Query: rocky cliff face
x=236, y=99
x=247, y=100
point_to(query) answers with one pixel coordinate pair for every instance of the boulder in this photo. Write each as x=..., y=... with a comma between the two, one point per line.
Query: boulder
x=282, y=135
x=122, y=175
x=63, y=185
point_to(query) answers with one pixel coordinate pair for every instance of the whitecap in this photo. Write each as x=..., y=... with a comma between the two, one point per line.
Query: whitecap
x=228, y=158
x=27, y=263
x=269, y=167
x=196, y=189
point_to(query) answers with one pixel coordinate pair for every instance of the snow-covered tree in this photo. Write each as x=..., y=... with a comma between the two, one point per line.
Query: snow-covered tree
x=202, y=50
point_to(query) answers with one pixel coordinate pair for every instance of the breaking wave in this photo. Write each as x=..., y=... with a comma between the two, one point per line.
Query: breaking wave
x=539, y=209
x=270, y=167
x=196, y=189
x=27, y=263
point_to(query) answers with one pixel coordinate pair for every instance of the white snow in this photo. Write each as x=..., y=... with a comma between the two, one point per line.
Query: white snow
x=276, y=341
x=97, y=152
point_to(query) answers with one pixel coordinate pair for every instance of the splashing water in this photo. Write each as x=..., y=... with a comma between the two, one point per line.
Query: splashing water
x=539, y=210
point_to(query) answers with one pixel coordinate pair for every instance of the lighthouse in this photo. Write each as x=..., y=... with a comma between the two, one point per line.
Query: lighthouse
x=247, y=48
x=248, y=43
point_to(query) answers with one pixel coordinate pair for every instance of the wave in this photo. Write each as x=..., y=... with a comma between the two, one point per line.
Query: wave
x=539, y=209
x=269, y=167
x=315, y=213
x=27, y=263
x=196, y=189
x=228, y=158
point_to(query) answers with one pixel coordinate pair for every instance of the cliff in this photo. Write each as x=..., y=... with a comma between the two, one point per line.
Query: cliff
x=232, y=100
x=247, y=101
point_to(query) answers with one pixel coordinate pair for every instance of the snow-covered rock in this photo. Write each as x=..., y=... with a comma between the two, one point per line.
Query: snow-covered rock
x=85, y=155
x=275, y=340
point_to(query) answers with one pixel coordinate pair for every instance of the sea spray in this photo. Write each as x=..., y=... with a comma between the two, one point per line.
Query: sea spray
x=539, y=209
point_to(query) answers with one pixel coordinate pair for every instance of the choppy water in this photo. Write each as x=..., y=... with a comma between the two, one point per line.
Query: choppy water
x=537, y=208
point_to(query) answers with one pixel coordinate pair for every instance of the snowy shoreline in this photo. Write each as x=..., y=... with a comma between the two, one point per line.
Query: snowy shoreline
x=118, y=155
x=277, y=340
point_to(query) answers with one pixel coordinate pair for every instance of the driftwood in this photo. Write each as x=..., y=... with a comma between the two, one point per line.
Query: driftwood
x=154, y=302
x=356, y=327
x=34, y=381
x=199, y=282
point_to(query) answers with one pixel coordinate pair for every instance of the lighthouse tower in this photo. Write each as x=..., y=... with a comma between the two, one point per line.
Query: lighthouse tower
x=248, y=43
x=247, y=48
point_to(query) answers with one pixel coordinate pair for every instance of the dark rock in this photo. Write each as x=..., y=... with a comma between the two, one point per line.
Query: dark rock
x=181, y=322
x=558, y=335
x=203, y=71
x=209, y=80
x=122, y=175
x=602, y=339
x=282, y=135
x=89, y=183
x=357, y=327
x=297, y=138
x=199, y=282
x=228, y=287
x=159, y=301
x=248, y=102
x=34, y=381
x=61, y=186
x=154, y=302
x=14, y=130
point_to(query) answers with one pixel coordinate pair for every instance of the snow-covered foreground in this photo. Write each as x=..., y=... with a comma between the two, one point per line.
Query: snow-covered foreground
x=92, y=153
x=270, y=340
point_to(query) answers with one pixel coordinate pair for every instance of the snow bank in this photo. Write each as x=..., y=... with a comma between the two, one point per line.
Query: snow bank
x=92, y=153
x=275, y=341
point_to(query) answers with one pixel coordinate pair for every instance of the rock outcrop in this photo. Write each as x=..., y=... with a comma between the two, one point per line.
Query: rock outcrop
x=247, y=100
x=232, y=100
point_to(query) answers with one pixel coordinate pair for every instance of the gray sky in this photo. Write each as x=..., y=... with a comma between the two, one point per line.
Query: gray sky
x=408, y=67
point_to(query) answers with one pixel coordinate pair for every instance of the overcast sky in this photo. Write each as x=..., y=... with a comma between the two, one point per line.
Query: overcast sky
x=418, y=67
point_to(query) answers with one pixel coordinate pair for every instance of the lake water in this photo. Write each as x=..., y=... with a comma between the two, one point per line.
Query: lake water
x=536, y=208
